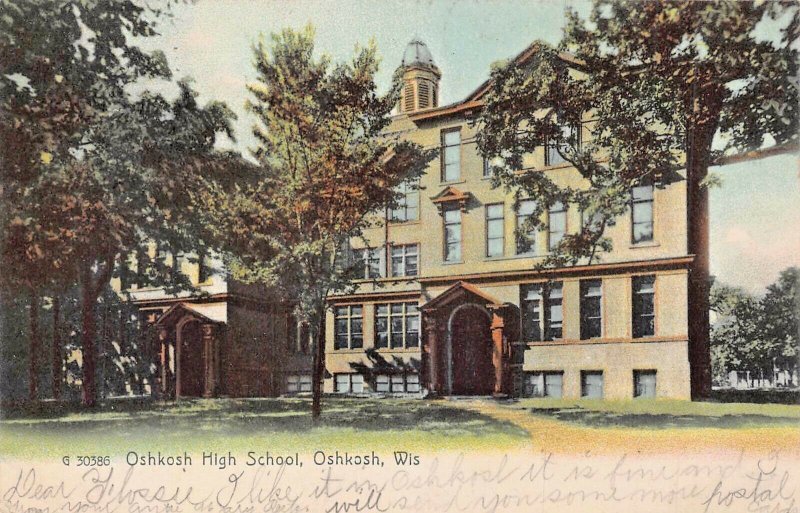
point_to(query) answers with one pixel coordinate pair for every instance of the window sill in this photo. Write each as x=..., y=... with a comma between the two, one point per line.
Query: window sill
x=453, y=263
x=403, y=223
x=452, y=182
x=397, y=349
x=649, y=244
x=390, y=279
x=514, y=257
x=349, y=351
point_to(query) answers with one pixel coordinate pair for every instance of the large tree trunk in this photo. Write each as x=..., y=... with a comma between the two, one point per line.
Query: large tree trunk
x=704, y=107
x=57, y=362
x=89, y=325
x=33, y=356
x=318, y=371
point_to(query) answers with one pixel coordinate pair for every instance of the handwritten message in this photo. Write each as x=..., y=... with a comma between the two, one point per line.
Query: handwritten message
x=543, y=482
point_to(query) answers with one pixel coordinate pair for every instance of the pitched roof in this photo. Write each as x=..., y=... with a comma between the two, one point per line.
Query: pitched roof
x=458, y=290
x=475, y=98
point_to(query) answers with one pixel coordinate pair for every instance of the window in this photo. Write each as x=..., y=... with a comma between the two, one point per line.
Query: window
x=538, y=299
x=644, y=315
x=407, y=207
x=591, y=221
x=405, y=260
x=592, y=384
x=397, y=325
x=642, y=214
x=526, y=232
x=371, y=263
x=349, y=383
x=297, y=335
x=298, y=383
x=644, y=383
x=452, y=234
x=348, y=327
x=591, y=309
x=557, y=225
x=397, y=383
x=487, y=168
x=494, y=230
x=570, y=134
x=544, y=384
x=451, y=155
x=203, y=270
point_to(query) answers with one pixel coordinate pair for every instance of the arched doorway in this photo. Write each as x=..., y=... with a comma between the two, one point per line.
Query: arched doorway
x=471, y=368
x=191, y=366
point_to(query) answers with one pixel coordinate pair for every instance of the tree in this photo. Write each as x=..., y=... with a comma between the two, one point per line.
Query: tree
x=757, y=335
x=323, y=166
x=662, y=81
x=91, y=173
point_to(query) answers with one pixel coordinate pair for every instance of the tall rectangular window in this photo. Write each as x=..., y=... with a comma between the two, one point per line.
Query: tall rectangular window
x=371, y=262
x=495, y=240
x=644, y=383
x=397, y=325
x=642, y=213
x=542, y=311
x=570, y=135
x=348, y=327
x=405, y=260
x=525, y=232
x=592, y=384
x=591, y=309
x=557, y=224
x=203, y=269
x=407, y=207
x=452, y=234
x=644, y=313
x=451, y=155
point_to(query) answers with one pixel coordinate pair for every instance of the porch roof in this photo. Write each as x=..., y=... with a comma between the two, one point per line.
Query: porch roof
x=457, y=290
x=209, y=312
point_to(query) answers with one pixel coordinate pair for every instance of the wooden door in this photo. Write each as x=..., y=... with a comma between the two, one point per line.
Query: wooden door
x=473, y=372
x=192, y=363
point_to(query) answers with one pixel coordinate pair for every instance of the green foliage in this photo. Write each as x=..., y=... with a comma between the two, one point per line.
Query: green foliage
x=756, y=334
x=323, y=165
x=89, y=172
x=659, y=81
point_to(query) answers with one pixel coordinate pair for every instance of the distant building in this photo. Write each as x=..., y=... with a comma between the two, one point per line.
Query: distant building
x=451, y=302
x=224, y=339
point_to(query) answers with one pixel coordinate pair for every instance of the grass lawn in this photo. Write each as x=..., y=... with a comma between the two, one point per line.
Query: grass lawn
x=396, y=424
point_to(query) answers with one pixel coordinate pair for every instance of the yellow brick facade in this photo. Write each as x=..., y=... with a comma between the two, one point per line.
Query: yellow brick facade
x=616, y=352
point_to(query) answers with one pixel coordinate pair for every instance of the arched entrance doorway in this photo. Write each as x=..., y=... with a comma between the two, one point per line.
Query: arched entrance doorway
x=191, y=366
x=471, y=368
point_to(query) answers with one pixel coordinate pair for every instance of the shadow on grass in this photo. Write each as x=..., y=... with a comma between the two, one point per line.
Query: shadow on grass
x=595, y=418
x=232, y=417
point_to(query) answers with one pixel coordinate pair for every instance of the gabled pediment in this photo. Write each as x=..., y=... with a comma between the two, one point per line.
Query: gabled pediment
x=216, y=313
x=451, y=195
x=462, y=290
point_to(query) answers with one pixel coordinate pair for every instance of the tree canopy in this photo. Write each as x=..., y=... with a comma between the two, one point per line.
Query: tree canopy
x=91, y=172
x=665, y=89
x=324, y=166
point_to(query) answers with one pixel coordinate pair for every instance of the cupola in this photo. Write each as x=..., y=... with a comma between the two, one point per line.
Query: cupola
x=420, y=78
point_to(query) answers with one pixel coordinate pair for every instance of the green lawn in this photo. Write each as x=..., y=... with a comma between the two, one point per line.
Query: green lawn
x=664, y=414
x=256, y=424
x=396, y=424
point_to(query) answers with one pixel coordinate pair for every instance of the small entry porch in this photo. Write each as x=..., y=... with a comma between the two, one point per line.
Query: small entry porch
x=188, y=349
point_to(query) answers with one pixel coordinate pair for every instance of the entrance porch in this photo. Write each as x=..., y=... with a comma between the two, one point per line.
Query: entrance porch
x=467, y=344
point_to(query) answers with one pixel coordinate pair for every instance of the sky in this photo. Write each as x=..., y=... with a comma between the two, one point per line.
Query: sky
x=755, y=213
